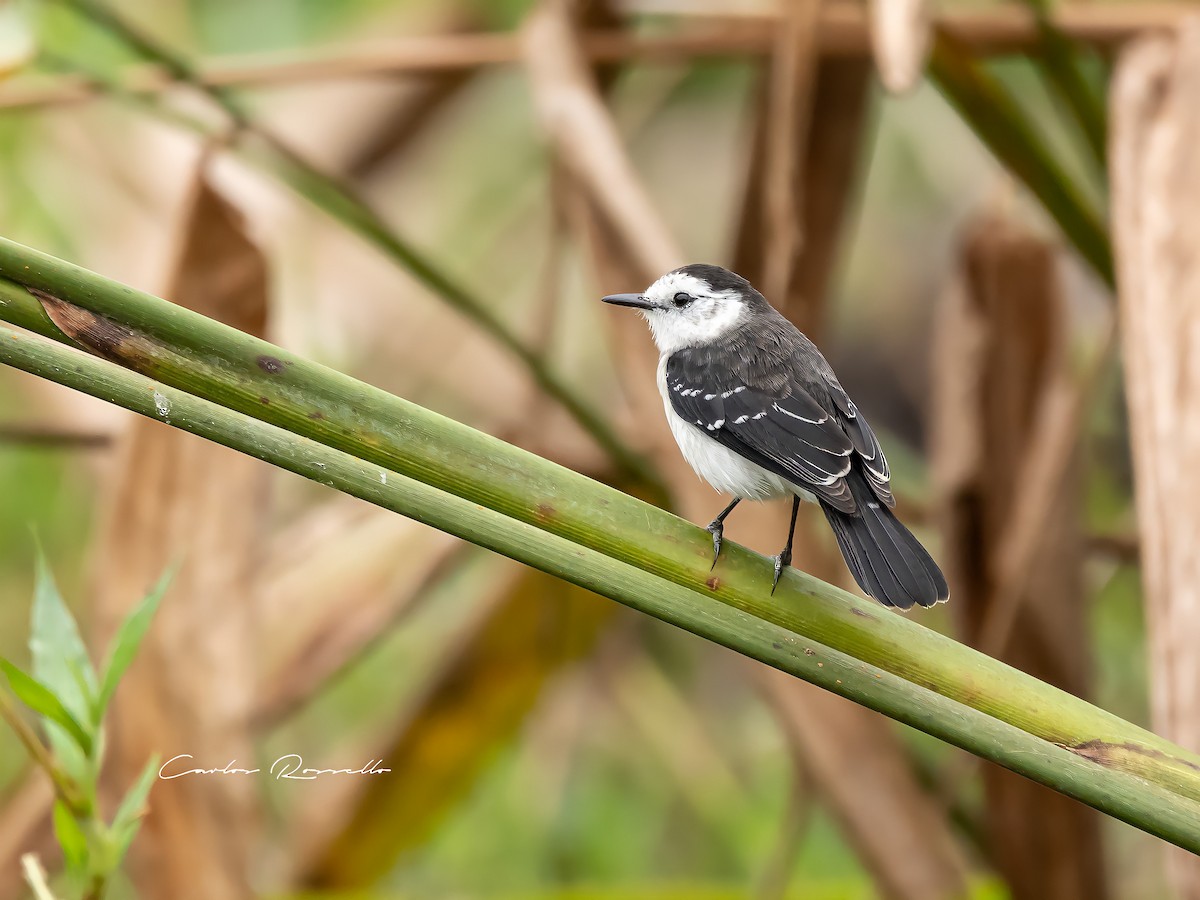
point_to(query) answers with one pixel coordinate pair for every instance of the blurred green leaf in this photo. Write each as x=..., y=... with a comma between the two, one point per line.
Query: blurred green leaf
x=41, y=700
x=1003, y=126
x=1060, y=58
x=60, y=660
x=125, y=645
x=74, y=758
x=70, y=837
x=128, y=819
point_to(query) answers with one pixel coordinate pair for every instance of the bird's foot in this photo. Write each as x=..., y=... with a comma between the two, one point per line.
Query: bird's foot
x=717, y=529
x=782, y=561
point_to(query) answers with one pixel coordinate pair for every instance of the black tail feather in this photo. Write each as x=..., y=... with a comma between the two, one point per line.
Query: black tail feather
x=885, y=559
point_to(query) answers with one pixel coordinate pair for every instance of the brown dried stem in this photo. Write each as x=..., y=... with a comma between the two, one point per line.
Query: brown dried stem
x=843, y=32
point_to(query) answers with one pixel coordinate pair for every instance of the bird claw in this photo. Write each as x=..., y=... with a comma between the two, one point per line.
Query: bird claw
x=782, y=561
x=717, y=530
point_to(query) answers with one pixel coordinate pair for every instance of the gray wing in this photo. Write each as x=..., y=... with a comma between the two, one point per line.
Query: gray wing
x=779, y=424
x=866, y=445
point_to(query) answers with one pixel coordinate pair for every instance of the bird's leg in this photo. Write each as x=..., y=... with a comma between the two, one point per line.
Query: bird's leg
x=785, y=555
x=717, y=528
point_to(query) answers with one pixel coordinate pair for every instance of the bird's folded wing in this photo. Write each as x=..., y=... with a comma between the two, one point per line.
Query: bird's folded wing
x=866, y=445
x=786, y=432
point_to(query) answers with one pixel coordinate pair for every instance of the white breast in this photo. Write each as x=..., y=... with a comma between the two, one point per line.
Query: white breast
x=725, y=470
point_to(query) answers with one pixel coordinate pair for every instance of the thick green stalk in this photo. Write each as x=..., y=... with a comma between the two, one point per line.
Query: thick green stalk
x=188, y=351
x=1150, y=807
x=340, y=202
x=999, y=122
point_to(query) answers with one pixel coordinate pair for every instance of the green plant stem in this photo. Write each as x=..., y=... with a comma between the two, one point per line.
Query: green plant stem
x=1148, y=806
x=339, y=201
x=64, y=788
x=999, y=122
x=1058, y=58
x=183, y=349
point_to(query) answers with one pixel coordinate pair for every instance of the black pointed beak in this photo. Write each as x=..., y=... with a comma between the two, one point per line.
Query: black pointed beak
x=637, y=301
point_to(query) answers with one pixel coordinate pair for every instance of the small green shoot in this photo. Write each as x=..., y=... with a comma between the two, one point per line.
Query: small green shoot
x=71, y=700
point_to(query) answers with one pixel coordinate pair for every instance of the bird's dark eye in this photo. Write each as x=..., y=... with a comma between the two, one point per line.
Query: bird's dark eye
x=682, y=299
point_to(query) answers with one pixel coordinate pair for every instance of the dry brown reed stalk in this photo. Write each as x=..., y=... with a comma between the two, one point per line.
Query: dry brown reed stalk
x=822, y=185
x=825, y=188
x=585, y=139
x=1000, y=349
x=25, y=828
x=843, y=32
x=521, y=645
x=331, y=586
x=178, y=500
x=900, y=37
x=858, y=766
x=612, y=270
x=628, y=243
x=325, y=813
x=50, y=437
x=1155, y=179
x=792, y=69
x=641, y=229
x=611, y=213
x=1045, y=466
x=1123, y=547
x=394, y=133
x=766, y=524
x=345, y=555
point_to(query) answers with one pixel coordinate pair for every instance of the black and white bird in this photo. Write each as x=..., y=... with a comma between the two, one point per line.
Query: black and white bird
x=759, y=414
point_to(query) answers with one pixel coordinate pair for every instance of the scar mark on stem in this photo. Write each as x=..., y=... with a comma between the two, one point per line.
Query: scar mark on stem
x=162, y=406
x=94, y=332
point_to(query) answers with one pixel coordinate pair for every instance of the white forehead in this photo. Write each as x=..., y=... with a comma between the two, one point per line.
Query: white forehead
x=674, y=282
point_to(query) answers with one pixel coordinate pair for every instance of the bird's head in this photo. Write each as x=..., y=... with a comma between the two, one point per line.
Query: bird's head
x=694, y=305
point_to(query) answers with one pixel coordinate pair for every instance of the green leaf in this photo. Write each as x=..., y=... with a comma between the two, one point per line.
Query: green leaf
x=42, y=700
x=129, y=814
x=1061, y=59
x=75, y=761
x=1003, y=125
x=71, y=838
x=125, y=644
x=60, y=659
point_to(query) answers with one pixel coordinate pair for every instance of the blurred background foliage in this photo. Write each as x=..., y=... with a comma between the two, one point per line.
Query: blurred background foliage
x=553, y=748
